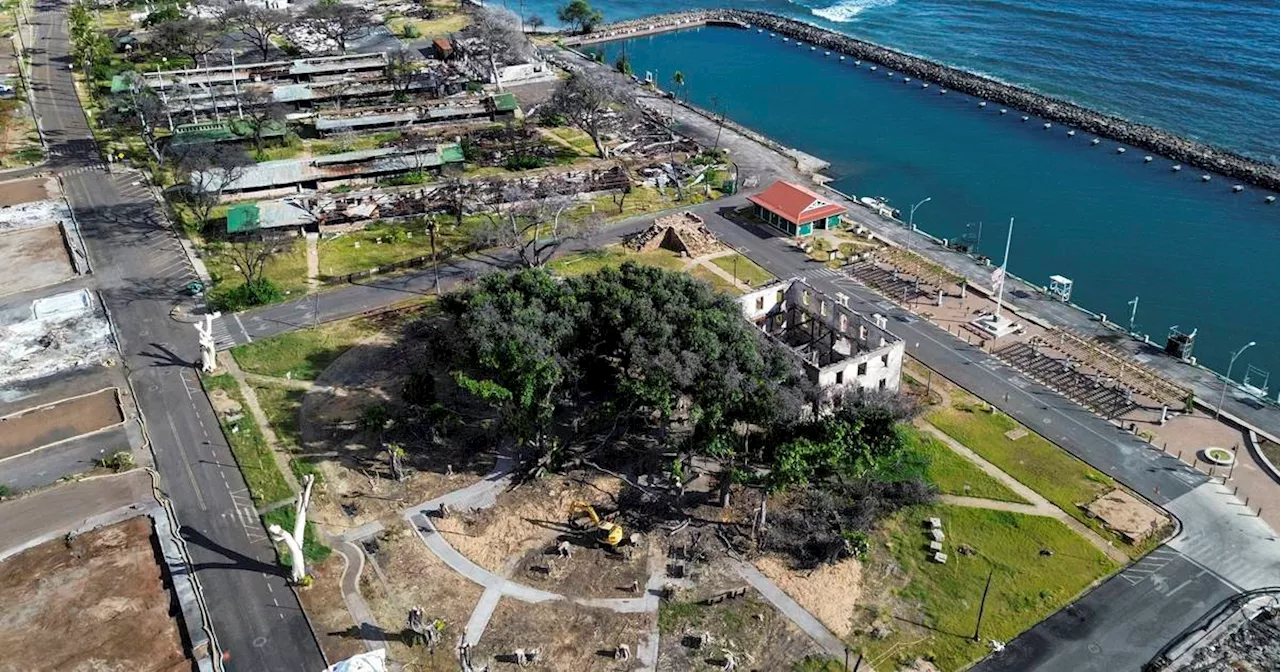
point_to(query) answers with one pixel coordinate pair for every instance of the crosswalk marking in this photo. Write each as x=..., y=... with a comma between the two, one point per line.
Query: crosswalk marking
x=221, y=335
x=824, y=273
x=81, y=169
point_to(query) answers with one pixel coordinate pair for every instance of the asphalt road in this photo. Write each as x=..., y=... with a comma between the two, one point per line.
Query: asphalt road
x=139, y=268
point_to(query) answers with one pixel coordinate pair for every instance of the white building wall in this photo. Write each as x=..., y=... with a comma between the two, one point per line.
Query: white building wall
x=874, y=346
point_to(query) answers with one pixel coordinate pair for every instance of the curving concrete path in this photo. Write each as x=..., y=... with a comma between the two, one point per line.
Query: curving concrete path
x=484, y=493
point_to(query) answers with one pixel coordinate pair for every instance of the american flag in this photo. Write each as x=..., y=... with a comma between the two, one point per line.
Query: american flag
x=997, y=279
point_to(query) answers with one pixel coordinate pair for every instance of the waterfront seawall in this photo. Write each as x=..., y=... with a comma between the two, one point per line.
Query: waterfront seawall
x=1129, y=133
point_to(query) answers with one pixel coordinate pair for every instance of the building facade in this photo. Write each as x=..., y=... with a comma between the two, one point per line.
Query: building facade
x=795, y=210
x=840, y=348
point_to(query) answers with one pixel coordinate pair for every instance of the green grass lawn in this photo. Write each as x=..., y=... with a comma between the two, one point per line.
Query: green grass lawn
x=571, y=138
x=257, y=464
x=717, y=283
x=746, y=270
x=952, y=473
x=1025, y=587
x=353, y=143
x=304, y=353
x=281, y=405
x=1033, y=460
x=288, y=269
x=613, y=256
x=428, y=28
x=385, y=243
x=641, y=201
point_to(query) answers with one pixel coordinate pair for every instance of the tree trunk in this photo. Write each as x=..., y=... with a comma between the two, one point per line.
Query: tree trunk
x=726, y=482
x=493, y=68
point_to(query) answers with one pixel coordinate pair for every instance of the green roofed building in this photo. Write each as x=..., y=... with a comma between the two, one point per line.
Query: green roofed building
x=244, y=218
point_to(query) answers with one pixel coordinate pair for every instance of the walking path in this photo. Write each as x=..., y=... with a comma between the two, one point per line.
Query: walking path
x=790, y=608
x=1039, y=506
x=483, y=494
x=705, y=262
x=293, y=383
x=313, y=262
x=226, y=361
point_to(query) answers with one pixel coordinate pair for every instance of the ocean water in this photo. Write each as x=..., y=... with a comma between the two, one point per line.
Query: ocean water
x=1206, y=69
x=1197, y=255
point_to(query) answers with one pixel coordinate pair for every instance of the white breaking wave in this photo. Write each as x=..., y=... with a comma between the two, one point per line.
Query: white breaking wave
x=848, y=10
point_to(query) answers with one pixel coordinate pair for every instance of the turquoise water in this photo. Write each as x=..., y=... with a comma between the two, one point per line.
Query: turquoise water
x=1202, y=68
x=1198, y=255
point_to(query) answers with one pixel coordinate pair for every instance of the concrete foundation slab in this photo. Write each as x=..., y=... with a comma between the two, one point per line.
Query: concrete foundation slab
x=35, y=257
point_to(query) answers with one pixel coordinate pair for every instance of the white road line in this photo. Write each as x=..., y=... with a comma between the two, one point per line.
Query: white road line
x=269, y=588
x=241, y=325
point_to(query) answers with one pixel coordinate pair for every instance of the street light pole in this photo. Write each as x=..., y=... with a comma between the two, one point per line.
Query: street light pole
x=911, y=229
x=1223, y=397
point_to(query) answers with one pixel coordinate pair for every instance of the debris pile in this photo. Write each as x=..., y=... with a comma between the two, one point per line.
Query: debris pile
x=65, y=331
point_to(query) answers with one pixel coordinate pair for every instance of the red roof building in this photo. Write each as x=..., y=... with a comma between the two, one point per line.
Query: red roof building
x=795, y=209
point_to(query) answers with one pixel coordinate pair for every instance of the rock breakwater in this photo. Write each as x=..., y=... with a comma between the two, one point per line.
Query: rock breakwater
x=1175, y=147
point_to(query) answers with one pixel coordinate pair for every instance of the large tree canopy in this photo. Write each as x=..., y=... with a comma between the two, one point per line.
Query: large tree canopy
x=644, y=338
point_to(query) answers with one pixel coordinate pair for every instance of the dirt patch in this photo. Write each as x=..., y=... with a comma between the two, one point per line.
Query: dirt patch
x=402, y=574
x=357, y=485
x=35, y=257
x=829, y=592
x=62, y=420
x=1127, y=515
x=591, y=571
x=23, y=191
x=569, y=637
x=96, y=603
x=328, y=612
x=529, y=518
x=224, y=405
x=756, y=634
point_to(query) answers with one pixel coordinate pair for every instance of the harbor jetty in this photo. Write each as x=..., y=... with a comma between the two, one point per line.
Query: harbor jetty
x=1179, y=149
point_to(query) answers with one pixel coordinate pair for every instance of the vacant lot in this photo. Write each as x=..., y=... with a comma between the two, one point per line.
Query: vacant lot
x=35, y=257
x=63, y=420
x=23, y=191
x=96, y=602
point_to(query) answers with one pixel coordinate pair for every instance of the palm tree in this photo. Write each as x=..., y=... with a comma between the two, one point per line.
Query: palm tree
x=678, y=80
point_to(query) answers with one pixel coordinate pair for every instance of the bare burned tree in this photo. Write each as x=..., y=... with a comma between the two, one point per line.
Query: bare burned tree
x=589, y=100
x=260, y=111
x=193, y=37
x=249, y=254
x=258, y=25
x=533, y=226
x=337, y=21
x=500, y=30
x=403, y=71
x=139, y=109
x=619, y=197
x=208, y=170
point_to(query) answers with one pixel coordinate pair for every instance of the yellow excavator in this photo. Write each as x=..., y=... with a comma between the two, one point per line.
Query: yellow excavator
x=607, y=532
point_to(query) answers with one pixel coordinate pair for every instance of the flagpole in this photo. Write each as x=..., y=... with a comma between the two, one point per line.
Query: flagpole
x=1004, y=272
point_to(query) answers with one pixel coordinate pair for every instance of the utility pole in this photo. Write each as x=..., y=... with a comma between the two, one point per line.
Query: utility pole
x=911, y=230
x=977, y=630
x=1133, y=314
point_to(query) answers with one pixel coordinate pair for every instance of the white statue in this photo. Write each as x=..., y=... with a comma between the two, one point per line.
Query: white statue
x=208, y=348
x=294, y=541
